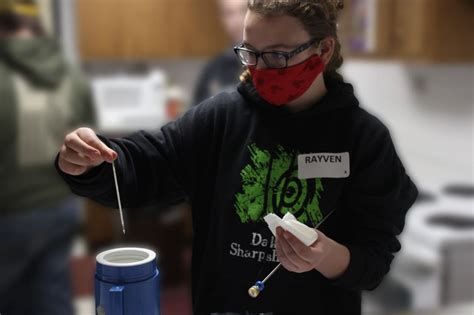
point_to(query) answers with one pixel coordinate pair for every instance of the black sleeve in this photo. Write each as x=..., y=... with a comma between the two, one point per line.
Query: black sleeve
x=152, y=168
x=379, y=195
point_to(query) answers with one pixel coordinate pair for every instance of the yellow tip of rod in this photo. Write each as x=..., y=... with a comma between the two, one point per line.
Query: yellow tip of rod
x=254, y=291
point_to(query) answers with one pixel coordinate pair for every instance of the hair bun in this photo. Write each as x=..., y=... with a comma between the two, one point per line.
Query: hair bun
x=339, y=4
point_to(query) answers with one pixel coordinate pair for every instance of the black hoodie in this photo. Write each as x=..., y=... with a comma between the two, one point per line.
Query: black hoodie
x=237, y=158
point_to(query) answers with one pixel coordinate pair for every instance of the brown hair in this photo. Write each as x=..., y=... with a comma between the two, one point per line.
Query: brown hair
x=319, y=18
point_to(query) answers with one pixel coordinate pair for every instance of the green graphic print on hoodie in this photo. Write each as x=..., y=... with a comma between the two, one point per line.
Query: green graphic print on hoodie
x=276, y=175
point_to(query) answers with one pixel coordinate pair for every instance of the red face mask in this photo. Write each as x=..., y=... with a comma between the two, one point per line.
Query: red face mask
x=281, y=86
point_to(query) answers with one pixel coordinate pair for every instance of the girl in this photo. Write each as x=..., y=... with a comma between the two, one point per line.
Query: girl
x=290, y=138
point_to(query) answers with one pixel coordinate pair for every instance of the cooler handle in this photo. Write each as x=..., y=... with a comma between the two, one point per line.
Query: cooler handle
x=116, y=300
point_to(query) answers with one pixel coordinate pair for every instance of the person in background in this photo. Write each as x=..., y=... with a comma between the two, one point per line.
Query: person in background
x=222, y=73
x=41, y=98
x=290, y=138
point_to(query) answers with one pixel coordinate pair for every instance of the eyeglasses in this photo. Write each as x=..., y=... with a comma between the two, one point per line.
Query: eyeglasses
x=272, y=59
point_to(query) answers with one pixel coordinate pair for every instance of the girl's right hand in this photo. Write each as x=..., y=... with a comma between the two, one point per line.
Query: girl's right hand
x=83, y=150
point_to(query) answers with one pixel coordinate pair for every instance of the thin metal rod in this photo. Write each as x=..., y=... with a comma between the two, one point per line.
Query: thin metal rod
x=118, y=197
x=316, y=227
x=271, y=273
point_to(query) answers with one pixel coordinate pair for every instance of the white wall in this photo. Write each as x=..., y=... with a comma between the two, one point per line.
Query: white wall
x=429, y=110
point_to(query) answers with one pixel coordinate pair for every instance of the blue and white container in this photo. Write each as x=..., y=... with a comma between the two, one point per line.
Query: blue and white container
x=127, y=282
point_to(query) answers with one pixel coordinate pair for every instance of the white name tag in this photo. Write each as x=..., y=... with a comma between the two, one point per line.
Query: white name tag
x=323, y=165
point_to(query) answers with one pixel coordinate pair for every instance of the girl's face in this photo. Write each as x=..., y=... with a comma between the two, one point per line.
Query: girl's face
x=276, y=33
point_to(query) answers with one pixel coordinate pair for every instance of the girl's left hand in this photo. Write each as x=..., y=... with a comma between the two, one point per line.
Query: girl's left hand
x=296, y=256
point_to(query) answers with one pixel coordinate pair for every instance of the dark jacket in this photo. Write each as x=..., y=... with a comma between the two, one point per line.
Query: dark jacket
x=237, y=159
x=41, y=100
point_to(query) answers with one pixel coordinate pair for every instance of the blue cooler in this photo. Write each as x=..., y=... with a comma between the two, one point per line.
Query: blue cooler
x=127, y=282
